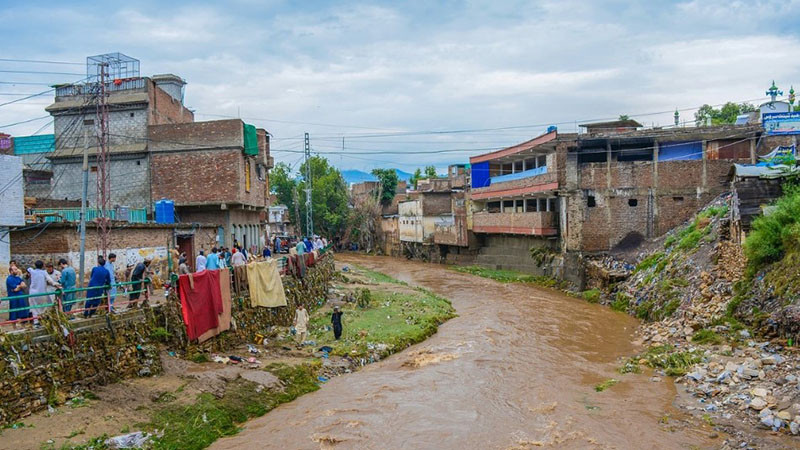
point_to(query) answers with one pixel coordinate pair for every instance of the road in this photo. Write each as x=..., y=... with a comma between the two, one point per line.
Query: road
x=516, y=369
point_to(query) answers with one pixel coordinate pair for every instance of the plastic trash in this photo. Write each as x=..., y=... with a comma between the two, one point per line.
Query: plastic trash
x=136, y=439
x=252, y=349
x=322, y=379
x=235, y=358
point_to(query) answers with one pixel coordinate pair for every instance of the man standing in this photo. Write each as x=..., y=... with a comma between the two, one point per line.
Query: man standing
x=40, y=279
x=99, y=279
x=212, y=263
x=336, y=320
x=277, y=245
x=301, y=247
x=112, y=293
x=301, y=323
x=56, y=276
x=138, y=274
x=68, y=279
x=200, y=264
x=238, y=259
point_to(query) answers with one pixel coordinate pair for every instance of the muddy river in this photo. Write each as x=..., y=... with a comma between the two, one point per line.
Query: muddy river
x=516, y=369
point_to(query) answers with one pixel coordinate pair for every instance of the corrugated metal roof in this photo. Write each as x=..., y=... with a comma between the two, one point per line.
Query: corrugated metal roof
x=752, y=170
x=43, y=143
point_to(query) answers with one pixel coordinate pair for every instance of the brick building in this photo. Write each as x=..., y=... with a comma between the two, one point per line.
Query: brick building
x=215, y=172
x=135, y=103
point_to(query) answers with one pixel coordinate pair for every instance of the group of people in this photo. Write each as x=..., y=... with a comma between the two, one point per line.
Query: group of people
x=238, y=255
x=34, y=291
x=301, y=319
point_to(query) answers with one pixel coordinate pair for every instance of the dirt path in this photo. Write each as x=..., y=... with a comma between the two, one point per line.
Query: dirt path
x=516, y=369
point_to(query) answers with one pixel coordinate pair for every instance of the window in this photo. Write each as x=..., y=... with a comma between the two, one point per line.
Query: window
x=531, y=205
x=590, y=201
x=260, y=172
x=633, y=202
x=518, y=166
x=542, y=161
x=138, y=163
x=88, y=122
x=131, y=114
x=530, y=163
x=677, y=199
x=508, y=205
x=247, y=176
x=553, y=204
x=542, y=204
x=506, y=169
x=493, y=207
x=93, y=169
x=519, y=205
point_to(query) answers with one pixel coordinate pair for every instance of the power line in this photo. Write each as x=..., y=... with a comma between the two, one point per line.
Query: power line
x=39, y=72
x=41, y=61
x=25, y=121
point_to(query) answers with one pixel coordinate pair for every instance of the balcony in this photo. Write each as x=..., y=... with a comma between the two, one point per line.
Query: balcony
x=540, y=179
x=529, y=223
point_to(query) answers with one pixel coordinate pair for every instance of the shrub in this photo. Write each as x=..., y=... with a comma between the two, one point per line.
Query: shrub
x=772, y=234
x=706, y=336
x=649, y=262
x=622, y=302
x=591, y=296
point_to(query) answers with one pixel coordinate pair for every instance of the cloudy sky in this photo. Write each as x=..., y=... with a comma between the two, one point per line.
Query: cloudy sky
x=413, y=83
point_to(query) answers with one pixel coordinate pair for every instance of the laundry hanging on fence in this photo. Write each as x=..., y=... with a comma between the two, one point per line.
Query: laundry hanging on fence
x=266, y=287
x=301, y=266
x=225, y=316
x=311, y=259
x=201, y=301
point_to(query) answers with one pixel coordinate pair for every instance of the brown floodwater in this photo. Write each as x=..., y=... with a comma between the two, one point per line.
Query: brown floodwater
x=516, y=369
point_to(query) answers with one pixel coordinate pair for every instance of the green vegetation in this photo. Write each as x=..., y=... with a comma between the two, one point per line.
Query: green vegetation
x=606, y=384
x=388, y=179
x=198, y=425
x=394, y=319
x=622, y=302
x=198, y=358
x=511, y=276
x=724, y=115
x=649, y=262
x=706, y=336
x=379, y=277
x=591, y=296
x=160, y=334
x=774, y=235
x=674, y=363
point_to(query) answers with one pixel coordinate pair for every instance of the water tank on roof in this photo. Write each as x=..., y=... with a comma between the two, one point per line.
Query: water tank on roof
x=552, y=128
x=165, y=211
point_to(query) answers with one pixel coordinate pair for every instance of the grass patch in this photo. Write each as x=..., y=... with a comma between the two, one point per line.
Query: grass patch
x=649, y=262
x=621, y=302
x=198, y=425
x=394, y=319
x=706, y=336
x=591, y=296
x=160, y=334
x=379, y=277
x=606, y=384
x=772, y=235
x=674, y=363
x=76, y=433
x=511, y=276
x=199, y=358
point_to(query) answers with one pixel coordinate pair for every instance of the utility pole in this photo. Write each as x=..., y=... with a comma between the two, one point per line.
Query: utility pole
x=82, y=266
x=309, y=212
x=103, y=178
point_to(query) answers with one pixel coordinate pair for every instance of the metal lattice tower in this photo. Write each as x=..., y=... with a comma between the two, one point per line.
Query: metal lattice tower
x=104, y=74
x=309, y=212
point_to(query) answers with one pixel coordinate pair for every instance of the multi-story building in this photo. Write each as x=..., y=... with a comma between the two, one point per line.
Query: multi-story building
x=215, y=172
x=134, y=104
x=278, y=221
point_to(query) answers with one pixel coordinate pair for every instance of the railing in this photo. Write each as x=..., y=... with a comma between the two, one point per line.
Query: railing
x=87, y=88
x=65, y=299
x=74, y=214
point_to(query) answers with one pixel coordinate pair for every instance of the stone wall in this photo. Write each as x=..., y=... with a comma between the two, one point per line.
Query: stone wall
x=46, y=367
x=130, y=181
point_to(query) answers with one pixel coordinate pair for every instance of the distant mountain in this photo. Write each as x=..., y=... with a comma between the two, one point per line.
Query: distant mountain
x=357, y=176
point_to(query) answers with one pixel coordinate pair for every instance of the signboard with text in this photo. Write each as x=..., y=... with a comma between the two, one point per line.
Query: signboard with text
x=781, y=123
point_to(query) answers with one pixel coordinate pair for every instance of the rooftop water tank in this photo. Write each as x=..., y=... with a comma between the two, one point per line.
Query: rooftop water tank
x=165, y=211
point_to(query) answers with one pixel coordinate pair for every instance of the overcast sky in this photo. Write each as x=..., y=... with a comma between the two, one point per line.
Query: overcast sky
x=362, y=70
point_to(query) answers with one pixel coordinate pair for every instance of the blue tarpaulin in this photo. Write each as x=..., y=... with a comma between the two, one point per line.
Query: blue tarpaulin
x=480, y=175
x=680, y=151
x=520, y=175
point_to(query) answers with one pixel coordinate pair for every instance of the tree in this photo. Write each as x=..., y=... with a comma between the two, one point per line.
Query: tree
x=725, y=115
x=416, y=177
x=430, y=172
x=388, y=179
x=328, y=198
x=624, y=117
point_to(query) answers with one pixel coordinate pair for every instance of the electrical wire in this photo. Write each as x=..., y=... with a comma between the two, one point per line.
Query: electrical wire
x=40, y=61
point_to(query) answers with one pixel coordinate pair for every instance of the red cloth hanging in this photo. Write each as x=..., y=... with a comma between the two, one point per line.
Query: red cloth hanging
x=201, y=301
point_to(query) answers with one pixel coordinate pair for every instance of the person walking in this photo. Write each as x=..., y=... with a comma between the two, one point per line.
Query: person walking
x=68, y=279
x=40, y=279
x=138, y=274
x=301, y=324
x=336, y=320
x=17, y=303
x=112, y=273
x=98, y=282
x=200, y=263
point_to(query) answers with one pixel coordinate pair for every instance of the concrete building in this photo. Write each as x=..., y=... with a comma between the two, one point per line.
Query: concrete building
x=215, y=172
x=278, y=222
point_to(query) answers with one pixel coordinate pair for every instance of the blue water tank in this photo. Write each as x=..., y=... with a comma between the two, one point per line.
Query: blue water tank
x=165, y=211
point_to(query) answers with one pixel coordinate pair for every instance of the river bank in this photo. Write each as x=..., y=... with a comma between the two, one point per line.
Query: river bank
x=196, y=402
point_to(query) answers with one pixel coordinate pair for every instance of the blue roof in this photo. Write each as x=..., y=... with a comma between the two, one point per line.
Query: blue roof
x=42, y=143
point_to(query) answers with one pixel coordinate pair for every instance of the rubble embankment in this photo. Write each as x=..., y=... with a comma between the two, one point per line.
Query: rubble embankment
x=716, y=330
